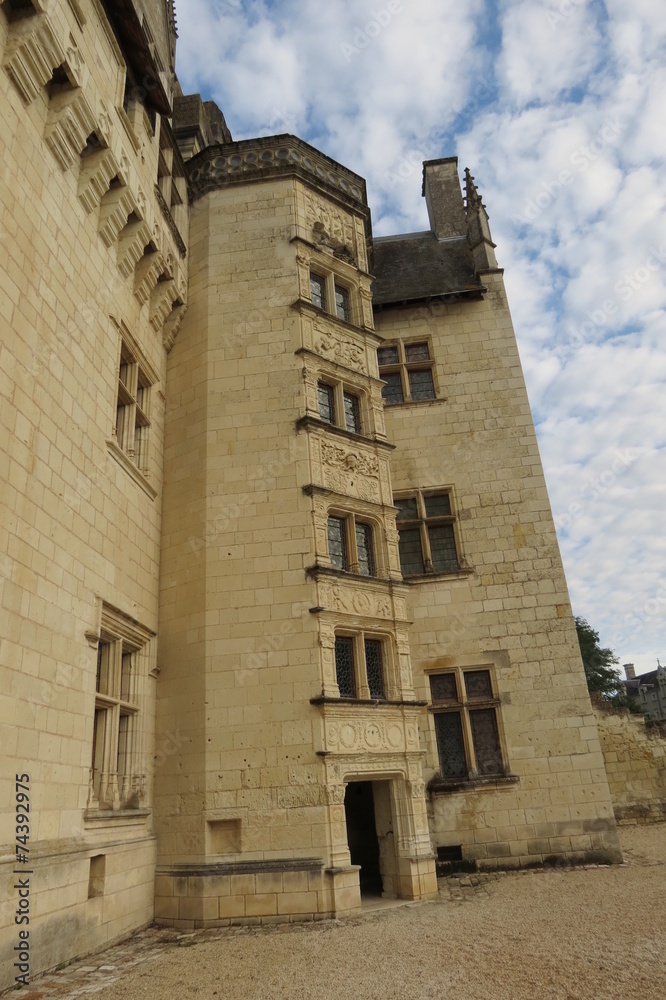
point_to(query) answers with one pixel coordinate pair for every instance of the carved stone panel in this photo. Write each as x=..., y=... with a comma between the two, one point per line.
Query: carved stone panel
x=372, y=734
x=349, y=471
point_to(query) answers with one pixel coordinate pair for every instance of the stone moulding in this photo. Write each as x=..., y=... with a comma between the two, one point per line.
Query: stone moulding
x=70, y=121
x=271, y=157
x=242, y=867
x=32, y=53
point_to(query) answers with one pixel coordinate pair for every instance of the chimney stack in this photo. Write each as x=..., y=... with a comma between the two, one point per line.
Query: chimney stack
x=443, y=195
x=629, y=671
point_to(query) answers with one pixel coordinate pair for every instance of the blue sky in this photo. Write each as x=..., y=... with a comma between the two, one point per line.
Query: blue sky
x=558, y=107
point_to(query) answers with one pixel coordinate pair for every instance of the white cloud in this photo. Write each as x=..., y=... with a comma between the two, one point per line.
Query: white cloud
x=557, y=106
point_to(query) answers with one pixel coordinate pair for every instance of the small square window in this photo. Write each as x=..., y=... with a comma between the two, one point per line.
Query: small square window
x=350, y=545
x=408, y=383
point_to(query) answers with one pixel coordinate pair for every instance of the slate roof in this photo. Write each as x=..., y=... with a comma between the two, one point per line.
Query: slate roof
x=418, y=266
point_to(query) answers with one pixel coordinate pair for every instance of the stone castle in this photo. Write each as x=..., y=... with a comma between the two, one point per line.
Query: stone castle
x=284, y=620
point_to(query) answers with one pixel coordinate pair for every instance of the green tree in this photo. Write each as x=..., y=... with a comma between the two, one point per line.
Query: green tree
x=598, y=663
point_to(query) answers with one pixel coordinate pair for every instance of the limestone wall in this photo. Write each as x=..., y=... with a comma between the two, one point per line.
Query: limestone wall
x=507, y=609
x=635, y=758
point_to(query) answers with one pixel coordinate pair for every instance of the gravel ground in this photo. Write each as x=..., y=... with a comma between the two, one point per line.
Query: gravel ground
x=575, y=934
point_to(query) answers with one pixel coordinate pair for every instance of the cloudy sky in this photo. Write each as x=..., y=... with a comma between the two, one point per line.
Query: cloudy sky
x=559, y=109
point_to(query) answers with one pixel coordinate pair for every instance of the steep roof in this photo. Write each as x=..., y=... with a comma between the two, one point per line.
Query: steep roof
x=419, y=266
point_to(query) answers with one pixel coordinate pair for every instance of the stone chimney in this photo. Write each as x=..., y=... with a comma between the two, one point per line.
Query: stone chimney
x=443, y=195
x=629, y=671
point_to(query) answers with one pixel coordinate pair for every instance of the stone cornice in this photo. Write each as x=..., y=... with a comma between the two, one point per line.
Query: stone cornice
x=270, y=157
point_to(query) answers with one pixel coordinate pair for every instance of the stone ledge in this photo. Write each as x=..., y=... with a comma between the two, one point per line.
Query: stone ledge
x=280, y=865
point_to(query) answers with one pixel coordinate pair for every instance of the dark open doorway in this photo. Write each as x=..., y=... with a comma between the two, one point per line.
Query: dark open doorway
x=362, y=835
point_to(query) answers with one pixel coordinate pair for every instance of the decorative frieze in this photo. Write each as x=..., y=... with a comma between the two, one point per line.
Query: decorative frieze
x=371, y=733
x=336, y=347
x=31, y=55
x=69, y=123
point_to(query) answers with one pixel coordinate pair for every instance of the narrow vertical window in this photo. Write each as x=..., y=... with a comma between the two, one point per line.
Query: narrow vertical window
x=352, y=413
x=364, y=550
x=318, y=290
x=344, y=666
x=337, y=543
x=342, y=303
x=326, y=396
x=374, y=668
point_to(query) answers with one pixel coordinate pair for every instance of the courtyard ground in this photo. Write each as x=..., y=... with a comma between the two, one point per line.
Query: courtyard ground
x=574, y=934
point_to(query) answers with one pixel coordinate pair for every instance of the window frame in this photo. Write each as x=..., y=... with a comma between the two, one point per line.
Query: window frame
x=340, y=392
x=423, y=523
x=358, y=644
x=116, y=781
x=464, y=706
x=350, y=524
x=134, y=385
x=332, y=284
x=404, y=368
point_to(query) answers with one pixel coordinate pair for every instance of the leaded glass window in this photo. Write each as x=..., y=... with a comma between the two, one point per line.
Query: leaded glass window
x=443, y=549
x=443, y=687
x=344, y=666
x=352, y=413
x=450, y=745
x=417, y=352
x=421, y=385
x=364, y=550
x=326, y=397
x=342, y=303
x=318, y=290
x=486, y=741
x=411, y=553
x=477, y=684
x=408, y=371
x=427, y=534
x=466, y=724
x=392, y=391
x=337, y=543
x=374, y=668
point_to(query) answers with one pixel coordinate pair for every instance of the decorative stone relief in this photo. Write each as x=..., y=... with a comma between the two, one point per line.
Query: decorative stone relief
x=355, y=602
x=337, y=348
x=324, y=218
x=335, y=795
x=350, y=472
x=374, y=735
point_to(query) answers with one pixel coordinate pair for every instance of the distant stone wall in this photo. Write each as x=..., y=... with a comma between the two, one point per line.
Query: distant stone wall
x=635, y=757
